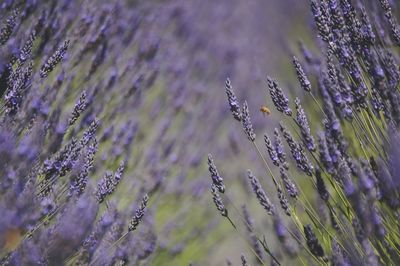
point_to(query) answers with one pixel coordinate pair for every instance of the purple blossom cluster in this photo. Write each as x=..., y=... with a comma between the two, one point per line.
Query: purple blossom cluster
x=94, y=120
x=106, y=120
x=341, y=203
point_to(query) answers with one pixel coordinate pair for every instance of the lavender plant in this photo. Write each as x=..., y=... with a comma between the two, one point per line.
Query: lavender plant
x=349, y=174
x=103, y=133
x=90, y=117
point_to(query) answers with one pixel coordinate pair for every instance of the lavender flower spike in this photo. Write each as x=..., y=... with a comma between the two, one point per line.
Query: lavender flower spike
x=283, y=200
x=78, y=108
x=271, y=151
x=216, y=178
x=247, y=126
x=109, y=183
x=288, y=183
x=6, y=30
x=233, y=103
x=304, y=82
x=280, y=149
x=302, y=122
x=279, y=99
x=297, y=151
x=322, y=191
x=260, y=193
x=105, y=187
x=244, y=260
x=218, y=201
x=54, y=60
x=312, y=242
x=324, y=154
x=133, y=224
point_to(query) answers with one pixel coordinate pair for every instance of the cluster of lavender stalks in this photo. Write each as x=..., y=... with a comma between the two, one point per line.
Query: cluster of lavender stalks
x=335, y=179
x=74, y=80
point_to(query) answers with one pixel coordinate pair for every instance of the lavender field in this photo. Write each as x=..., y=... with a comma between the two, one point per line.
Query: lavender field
x=199, y=132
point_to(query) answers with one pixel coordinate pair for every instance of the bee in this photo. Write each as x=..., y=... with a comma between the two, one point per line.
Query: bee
x=265, y=110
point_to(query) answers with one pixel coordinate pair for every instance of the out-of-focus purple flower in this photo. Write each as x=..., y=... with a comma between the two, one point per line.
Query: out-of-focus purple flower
x=70, y=230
